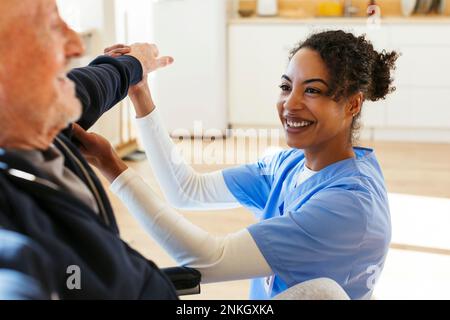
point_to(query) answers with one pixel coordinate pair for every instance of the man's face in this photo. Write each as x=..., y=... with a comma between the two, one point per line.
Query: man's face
x=35, y=48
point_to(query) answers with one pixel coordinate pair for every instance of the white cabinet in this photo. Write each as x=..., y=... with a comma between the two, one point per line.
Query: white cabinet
x=258, y=55
x=423, y=34
x=423, y=86
x=192, y=92
x=420, y=107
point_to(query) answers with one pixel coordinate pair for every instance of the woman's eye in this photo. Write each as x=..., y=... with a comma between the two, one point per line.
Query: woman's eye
x=285, y=87
x=312, y=91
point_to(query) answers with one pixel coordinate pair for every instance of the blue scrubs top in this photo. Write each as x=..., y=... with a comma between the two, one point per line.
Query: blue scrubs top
x=336, y=224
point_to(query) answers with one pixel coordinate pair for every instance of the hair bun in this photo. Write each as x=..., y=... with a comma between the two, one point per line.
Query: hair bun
x=381, y=84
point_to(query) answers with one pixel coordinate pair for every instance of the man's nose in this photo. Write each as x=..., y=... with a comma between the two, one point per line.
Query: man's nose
x=74, y=45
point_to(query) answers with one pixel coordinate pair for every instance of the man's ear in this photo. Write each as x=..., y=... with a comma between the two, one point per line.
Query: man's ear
x=354, y=104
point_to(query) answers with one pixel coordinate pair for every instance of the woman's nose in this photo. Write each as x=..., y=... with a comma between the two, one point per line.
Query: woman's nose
x=294, y=102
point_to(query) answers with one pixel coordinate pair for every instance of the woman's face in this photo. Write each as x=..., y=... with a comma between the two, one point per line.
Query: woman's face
x=312, y=120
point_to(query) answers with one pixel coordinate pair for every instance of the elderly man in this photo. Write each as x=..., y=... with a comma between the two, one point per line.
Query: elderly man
x=58, y=233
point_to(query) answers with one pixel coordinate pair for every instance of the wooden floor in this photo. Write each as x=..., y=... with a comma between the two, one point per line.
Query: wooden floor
x=415, y=169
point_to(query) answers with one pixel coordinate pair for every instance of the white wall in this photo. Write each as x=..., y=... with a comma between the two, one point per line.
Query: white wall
x=90, y=16
x=134, y=21
x=82, y=14
x=94, y=17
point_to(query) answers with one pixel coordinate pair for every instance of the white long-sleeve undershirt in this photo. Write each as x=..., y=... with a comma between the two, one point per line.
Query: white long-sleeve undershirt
x=182, y=186
x=233, y=257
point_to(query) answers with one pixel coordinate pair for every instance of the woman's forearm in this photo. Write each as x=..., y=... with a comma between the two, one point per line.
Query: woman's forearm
x=183, y=187
x=232, y=257
x=142, y=100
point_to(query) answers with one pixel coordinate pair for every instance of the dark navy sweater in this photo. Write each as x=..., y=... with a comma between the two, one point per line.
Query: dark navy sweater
x=45, y=231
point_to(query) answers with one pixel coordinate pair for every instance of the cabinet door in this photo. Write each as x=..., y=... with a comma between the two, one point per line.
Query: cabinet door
x=420, y=107
x=373, y=113
x=423, y=34
x=258, y=57
x=423, y=66
x=192, y=92
x=423, y=86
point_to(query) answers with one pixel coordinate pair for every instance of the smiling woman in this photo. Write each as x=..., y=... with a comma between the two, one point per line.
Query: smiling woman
x=322, y=204
x=329, y=77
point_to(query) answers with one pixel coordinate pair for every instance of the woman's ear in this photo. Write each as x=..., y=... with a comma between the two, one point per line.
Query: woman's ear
x=355, y=104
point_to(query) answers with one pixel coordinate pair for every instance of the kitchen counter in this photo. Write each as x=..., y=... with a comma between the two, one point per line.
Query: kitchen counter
x=338, y=20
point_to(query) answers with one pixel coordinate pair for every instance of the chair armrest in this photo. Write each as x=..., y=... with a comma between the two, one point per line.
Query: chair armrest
x=186, y=280
x=316, y=289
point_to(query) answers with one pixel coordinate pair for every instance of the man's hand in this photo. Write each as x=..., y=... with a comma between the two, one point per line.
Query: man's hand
x=99, y=153
x=140, y=93
x=147, y=54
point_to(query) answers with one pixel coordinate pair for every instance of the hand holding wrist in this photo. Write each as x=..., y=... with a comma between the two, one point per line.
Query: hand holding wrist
x=112, y=168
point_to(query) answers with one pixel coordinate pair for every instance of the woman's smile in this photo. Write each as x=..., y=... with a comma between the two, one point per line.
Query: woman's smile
x=297, y=125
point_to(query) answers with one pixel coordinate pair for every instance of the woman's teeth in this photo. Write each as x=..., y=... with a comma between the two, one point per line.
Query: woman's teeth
x=292, y=124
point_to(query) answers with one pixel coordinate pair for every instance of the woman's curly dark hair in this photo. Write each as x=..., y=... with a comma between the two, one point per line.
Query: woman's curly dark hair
x=353, y=65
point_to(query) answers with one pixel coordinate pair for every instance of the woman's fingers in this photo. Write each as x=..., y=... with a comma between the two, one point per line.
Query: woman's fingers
x=99, y=153
x=97, y=150
x=114, y=47
x=118, y=52
x=115, y=55
x=78, y=132
x=81, y=135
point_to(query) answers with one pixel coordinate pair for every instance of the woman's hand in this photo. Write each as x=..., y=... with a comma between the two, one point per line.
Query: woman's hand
x=117, y=50
x=99, y=153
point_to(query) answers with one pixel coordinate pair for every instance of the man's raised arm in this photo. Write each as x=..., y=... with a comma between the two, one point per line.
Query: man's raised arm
x=103, y=84
x=107, y=79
